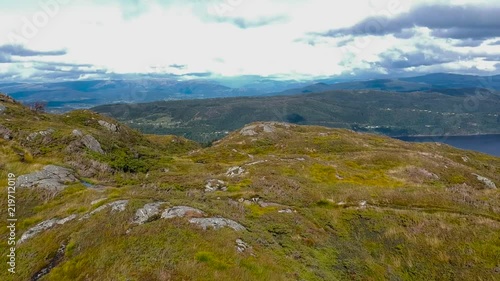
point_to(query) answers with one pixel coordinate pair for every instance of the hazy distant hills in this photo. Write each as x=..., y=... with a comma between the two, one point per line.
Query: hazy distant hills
x=450, y=84
x=69, y=95
x=84, y=94
x=390, y=113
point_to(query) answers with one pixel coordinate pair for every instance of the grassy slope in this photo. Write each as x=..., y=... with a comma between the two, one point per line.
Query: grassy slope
x=395, y=113
x=414, y=227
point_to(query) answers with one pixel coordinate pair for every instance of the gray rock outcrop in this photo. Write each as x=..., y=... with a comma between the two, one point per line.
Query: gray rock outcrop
x=249, y=130
x=51, y=177
x=3, y=108
x=267, y=127
x=34, y=135
x=111, y=127
x=77, y=133
x=148, y=212
x=235, y=171
x=84, y=140
x=214, y=185
x=44, y=226
x=98, y=201
x=116, y=206
x=181, y=211
x=91, y=143
x=217, y=223
x=241, y=246
x=486, y=181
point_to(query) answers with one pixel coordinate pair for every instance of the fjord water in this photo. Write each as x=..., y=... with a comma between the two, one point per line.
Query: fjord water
x=489, y=144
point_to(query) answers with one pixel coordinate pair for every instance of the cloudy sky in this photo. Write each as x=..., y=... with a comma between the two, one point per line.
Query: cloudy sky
x=298, y=39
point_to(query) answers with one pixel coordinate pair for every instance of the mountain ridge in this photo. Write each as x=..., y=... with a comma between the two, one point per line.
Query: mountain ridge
x=67, y=95
x=390, y=113
x=270, y=201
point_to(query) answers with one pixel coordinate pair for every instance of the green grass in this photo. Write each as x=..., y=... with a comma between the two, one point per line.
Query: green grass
x=411, y=228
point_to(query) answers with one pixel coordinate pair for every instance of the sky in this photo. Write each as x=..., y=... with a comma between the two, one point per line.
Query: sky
x=46, y=40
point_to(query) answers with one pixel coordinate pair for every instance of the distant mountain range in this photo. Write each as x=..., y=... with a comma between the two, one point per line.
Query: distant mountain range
x=389, y=113
x=450, y=84
x=63, y=96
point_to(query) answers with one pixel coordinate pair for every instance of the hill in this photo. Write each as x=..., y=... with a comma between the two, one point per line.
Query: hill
x=68, y=95
x=96, y=200
x=389, y=113
x=445, y=83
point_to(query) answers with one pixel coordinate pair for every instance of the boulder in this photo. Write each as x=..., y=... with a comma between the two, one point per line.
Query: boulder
x=111, y=127
x=3, y=108
x=118, y=206
x=217, y=223
x=486, y=181
x=267, y=127
x=6, y=98
x=214, y=185
x=77, y=133
x=235, y=171
x=249, y=130
x=34, y=135
x=147, y=212
x=180, y=212
x=44, y=226
x=51, y=177
x=91, y=143
x=241, y=246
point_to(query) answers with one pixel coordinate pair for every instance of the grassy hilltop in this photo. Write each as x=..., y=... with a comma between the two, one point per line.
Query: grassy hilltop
x=292, y=202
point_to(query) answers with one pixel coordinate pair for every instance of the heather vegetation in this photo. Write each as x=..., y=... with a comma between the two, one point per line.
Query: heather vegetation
x=315, y=203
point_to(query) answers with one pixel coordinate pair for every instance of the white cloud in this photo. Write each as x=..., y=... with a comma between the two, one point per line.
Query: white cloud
x=146, y=36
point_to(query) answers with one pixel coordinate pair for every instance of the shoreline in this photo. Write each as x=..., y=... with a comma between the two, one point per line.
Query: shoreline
x=441, y=136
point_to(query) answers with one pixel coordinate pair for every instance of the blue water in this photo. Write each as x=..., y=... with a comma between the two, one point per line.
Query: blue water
x=87, y=184
x=489, y=144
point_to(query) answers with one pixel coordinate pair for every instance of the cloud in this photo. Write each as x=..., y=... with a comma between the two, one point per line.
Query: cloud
x=67, y=67
x=20, y=51
x=495, y=43
x=178, y=66
x=245, y=23
x=132, y=8
x=8, y=51
x=199, y=74
x=492, y=58
x=468, y=43
x=4, y=58
x=396, y=59
x=8, y=76
x=457, y=22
